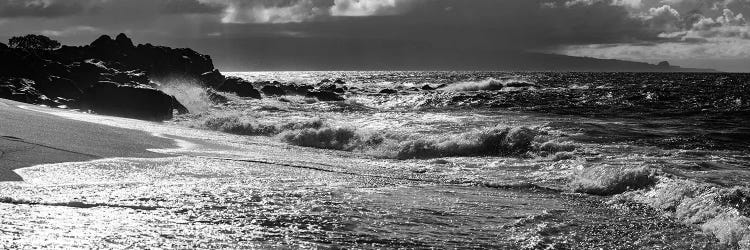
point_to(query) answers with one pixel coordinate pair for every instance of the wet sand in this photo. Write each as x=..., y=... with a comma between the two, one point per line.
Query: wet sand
x=29, y=138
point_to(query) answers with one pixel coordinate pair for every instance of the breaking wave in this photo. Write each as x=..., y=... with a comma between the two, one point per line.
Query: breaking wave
x=722, y=212
x=316, y=133
x=487, y=84
x=609, y=180
x=497, y=141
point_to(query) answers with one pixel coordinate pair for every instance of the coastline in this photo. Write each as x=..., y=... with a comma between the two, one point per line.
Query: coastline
x=29, y=138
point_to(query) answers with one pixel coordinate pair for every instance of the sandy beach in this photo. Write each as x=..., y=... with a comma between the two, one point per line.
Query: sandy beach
x=29, y=138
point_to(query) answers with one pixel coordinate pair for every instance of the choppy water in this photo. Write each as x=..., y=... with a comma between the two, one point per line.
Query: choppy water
x=234, y=191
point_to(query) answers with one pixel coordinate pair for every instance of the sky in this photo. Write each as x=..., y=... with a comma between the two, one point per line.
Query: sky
x=431, y=34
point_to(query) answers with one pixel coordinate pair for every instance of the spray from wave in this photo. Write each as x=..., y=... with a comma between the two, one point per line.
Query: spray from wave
x=188, y=92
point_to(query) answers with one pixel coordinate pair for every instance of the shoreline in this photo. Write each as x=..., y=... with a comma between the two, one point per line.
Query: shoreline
x=29, y=138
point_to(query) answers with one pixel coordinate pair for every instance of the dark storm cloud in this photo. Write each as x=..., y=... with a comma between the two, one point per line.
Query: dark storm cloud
x=39, y=8
x=387, y=32
x=189, y=7
x=486, y=24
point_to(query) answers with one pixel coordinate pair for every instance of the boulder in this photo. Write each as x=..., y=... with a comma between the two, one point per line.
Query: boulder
x=240, y=87
x=388, y=91
x=272, y=90
x=123, y=41
x=216, y=97
x=22, y=90
x=109, y=98
x=324, y=96
x=324, y=81
x=296, y=89
x=212, y=78
x=60, y=87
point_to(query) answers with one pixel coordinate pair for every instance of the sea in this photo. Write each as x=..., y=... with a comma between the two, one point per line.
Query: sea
x=414, y=160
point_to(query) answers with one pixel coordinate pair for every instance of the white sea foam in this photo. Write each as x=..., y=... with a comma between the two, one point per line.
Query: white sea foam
x=487, y=84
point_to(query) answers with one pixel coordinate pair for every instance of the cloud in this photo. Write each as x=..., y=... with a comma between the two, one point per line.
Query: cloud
x=190, y=7
x=270, y=11
x=72, y=31
x=370, y=7
x=42, y=8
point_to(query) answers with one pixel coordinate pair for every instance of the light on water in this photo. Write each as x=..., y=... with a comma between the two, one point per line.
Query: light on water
x=445, y=168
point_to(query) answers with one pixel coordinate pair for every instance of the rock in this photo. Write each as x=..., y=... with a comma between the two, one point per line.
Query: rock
x=240, y=87
x=339, y=90
x=519, y=84
x=327, y=87
x=388, y=91
x=212, y=78
x=109, y=98
x=271, y=90
x=339, y=82
x=324, y=81
x=104, y=41
x=324, y=96
x=664, y=64
x=216, y=97
x=124, y=41
x=22, y=90
x=60, y=87
x=427, y=87
x=3, y=46
x=296, y=89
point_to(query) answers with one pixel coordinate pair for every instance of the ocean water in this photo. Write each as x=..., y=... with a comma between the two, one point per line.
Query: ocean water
x=487, y=160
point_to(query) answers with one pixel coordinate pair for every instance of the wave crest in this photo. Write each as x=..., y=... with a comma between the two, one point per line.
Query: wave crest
x=488, y=84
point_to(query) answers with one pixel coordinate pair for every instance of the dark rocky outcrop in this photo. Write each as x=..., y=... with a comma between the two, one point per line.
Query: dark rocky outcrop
x=240, y=87
x=109, y=98
x=388, y=91
x=22, y=90
x=272, y=90
x=116, y=69
x=324, y=96
x=427, y=87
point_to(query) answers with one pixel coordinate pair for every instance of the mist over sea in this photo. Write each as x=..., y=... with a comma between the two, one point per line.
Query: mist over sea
x=419, y=160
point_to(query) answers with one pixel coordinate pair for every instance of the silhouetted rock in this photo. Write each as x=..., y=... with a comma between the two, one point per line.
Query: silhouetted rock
x=212, y=78
x=240, y=87
x=273, y=90
x=427, y=87
x=519, y=84
x=109, y=98
x=324, y=96
x=22, y=90
x=104, y=41
x=388, y=91
x=296, y=89
x=324, y=81
x=60, y=87
x=124, y=41
x=109, y=69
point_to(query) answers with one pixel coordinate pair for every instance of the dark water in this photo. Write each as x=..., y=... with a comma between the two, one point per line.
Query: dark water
x=688, y=132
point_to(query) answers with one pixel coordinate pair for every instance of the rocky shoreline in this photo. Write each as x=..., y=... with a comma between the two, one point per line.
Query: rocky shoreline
x=115, y=77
